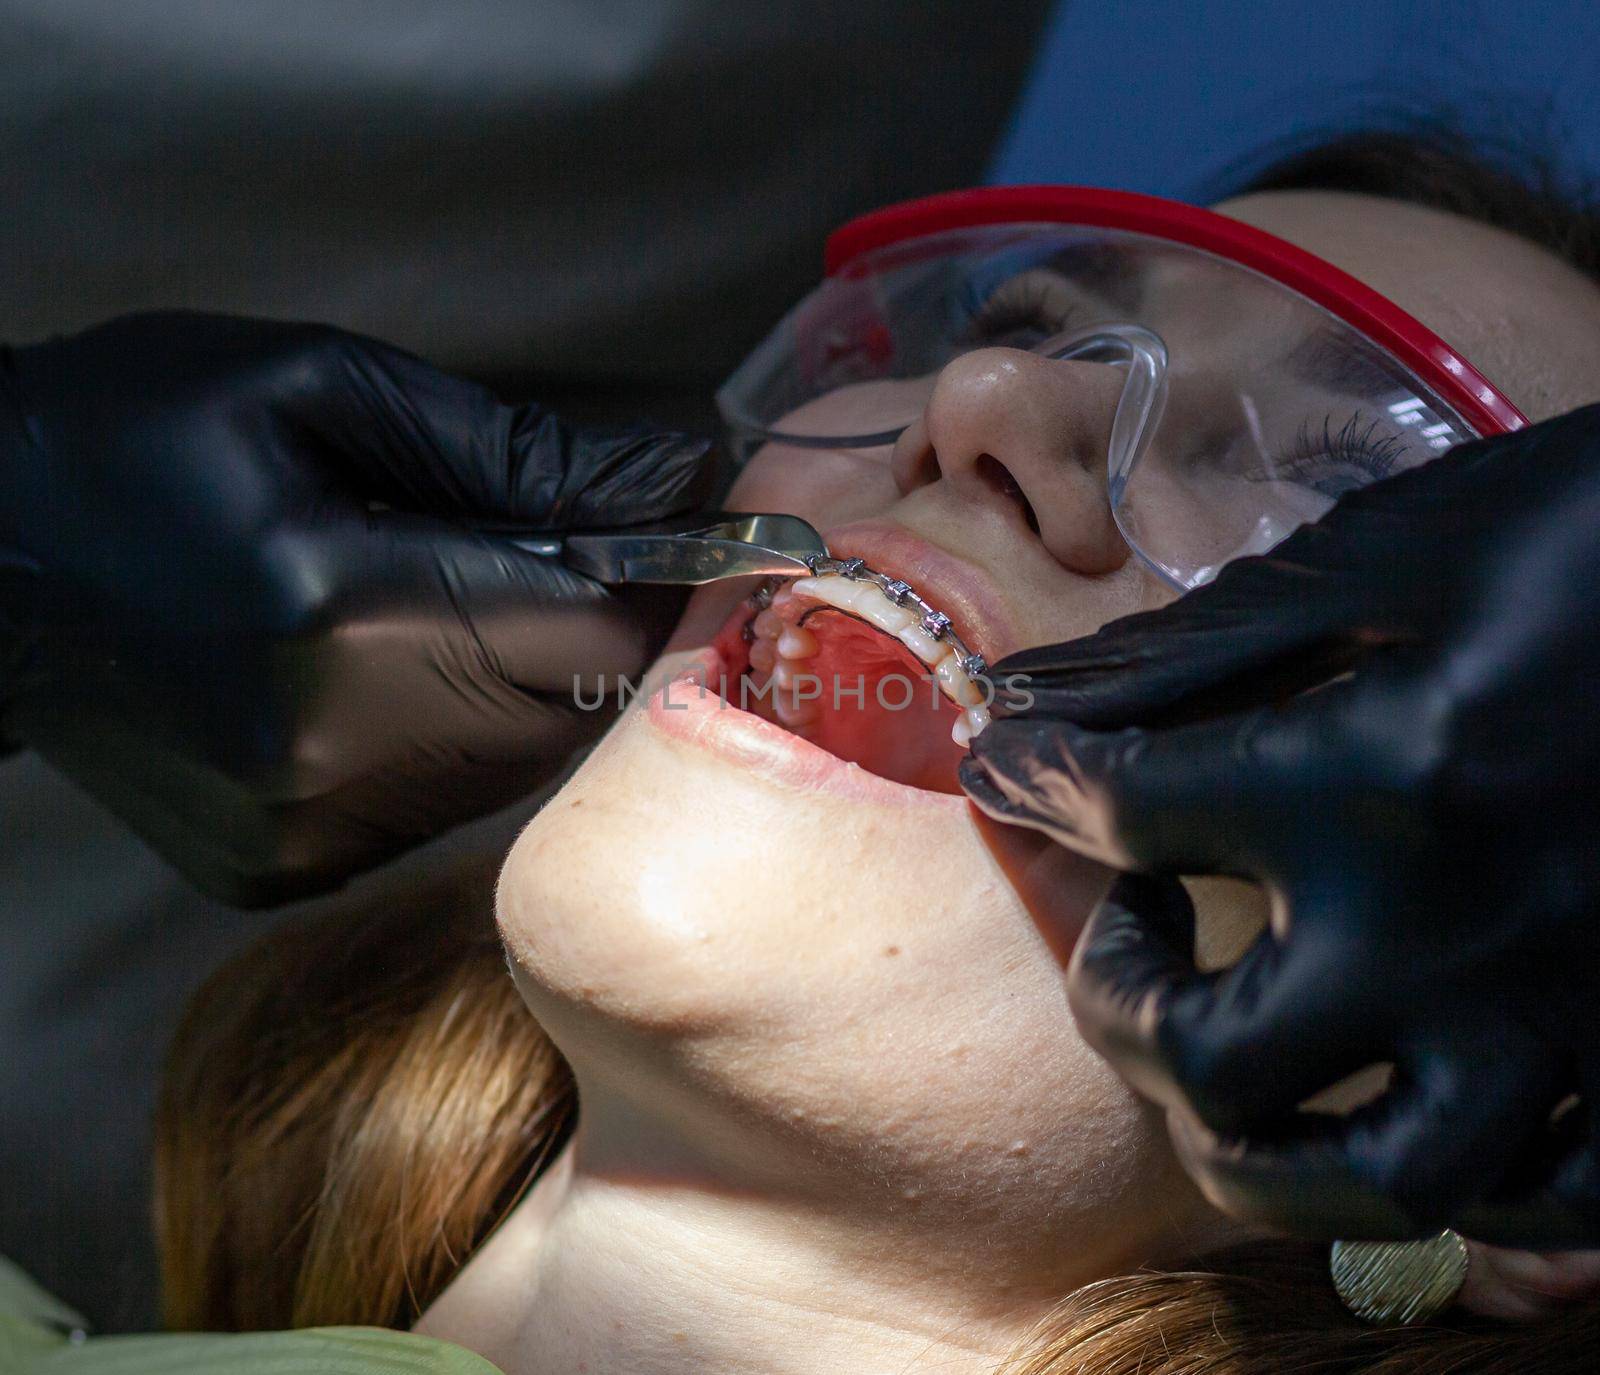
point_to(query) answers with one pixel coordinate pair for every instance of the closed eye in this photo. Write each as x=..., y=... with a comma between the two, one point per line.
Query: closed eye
x=1022, y=311
x=1332, y=462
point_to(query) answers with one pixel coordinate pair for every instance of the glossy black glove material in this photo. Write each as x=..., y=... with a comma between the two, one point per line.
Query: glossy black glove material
x=1424, y=820
x=238, y=604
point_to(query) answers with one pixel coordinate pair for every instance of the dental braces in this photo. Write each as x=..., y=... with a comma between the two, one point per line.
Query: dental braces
x=932, y=621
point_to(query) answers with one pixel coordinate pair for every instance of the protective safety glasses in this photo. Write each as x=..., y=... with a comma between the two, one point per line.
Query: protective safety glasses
x=1258, y=382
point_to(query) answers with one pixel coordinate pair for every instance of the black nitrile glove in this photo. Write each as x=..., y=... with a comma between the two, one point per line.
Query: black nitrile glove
x=1425, y=822
x=235, y=604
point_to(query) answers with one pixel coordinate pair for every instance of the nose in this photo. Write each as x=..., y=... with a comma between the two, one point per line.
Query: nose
x=1007, y=426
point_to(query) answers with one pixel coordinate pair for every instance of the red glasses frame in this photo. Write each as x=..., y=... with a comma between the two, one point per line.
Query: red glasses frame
x=1452, y=378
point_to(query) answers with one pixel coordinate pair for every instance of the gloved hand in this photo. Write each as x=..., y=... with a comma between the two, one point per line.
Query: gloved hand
x=1424, y=822
x=235, y=604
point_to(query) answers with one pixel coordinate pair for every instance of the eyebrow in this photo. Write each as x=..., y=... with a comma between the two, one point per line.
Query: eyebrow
x=1332, y=355
x=1100, y=267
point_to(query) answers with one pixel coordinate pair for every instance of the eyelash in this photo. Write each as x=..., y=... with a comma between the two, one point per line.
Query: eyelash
x=1353, y=444
x=1017, y=307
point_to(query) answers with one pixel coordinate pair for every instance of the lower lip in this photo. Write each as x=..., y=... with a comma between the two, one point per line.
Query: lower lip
x=687, y=708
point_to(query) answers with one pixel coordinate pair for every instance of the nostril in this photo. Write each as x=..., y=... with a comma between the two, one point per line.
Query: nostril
x=923, y=469
x=998, y=477
x=914, y=463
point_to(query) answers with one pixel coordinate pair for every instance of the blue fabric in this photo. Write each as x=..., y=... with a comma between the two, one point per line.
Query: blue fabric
x=1170, y=97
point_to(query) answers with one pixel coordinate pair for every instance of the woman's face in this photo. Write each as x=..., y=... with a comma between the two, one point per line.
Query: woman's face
x=792, y=974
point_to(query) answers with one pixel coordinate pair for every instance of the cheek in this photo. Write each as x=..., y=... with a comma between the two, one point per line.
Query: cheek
x=1046, y=614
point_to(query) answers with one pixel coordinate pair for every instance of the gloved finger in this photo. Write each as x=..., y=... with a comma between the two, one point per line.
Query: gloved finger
x=1022, y=776
x=618, y=475
x=1403, y=1166
x=520, y=618
x=1210, y=797
x=221, y=836
x=1237, y=1046
x=1133, y=960
x=253, y=833
x=254, y=852
x=306, y=847
x=1552, y=1198
x=1178, y=800
x=420, y=439
x=1561, y=1214
x=1264, y=629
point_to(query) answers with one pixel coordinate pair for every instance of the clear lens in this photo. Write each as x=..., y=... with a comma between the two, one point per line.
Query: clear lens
x=872, y=342
x=1247, y=410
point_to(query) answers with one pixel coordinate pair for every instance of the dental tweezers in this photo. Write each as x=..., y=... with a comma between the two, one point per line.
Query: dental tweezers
x=687, y=550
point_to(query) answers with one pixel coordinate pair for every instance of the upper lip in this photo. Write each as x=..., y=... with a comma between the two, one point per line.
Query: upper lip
x=963, y=592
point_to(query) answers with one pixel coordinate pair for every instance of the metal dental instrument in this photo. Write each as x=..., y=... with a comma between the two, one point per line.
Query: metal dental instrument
x=688, y=550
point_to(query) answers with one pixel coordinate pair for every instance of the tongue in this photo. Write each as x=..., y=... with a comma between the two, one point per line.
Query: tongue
x=880, y=708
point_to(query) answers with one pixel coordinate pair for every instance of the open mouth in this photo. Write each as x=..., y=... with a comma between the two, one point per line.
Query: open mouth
x=856, y=662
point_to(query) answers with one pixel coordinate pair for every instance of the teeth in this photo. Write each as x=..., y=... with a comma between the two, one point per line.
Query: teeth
x=835, y=591
x=894, y=609
x=763, y=654
x=796, y=642
x=793, y=713
x=861, y=599
x=888, y=617
x=971, y=722
x=922, y=644
x=784, y=673
x=955, y=684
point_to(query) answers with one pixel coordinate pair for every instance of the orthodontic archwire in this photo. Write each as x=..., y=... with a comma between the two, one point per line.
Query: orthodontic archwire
x=932, y=621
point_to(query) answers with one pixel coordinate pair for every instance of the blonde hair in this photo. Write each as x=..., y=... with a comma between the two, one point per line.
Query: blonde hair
x=346, y=1113
x=350, y=1109
x=1269, y=1308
